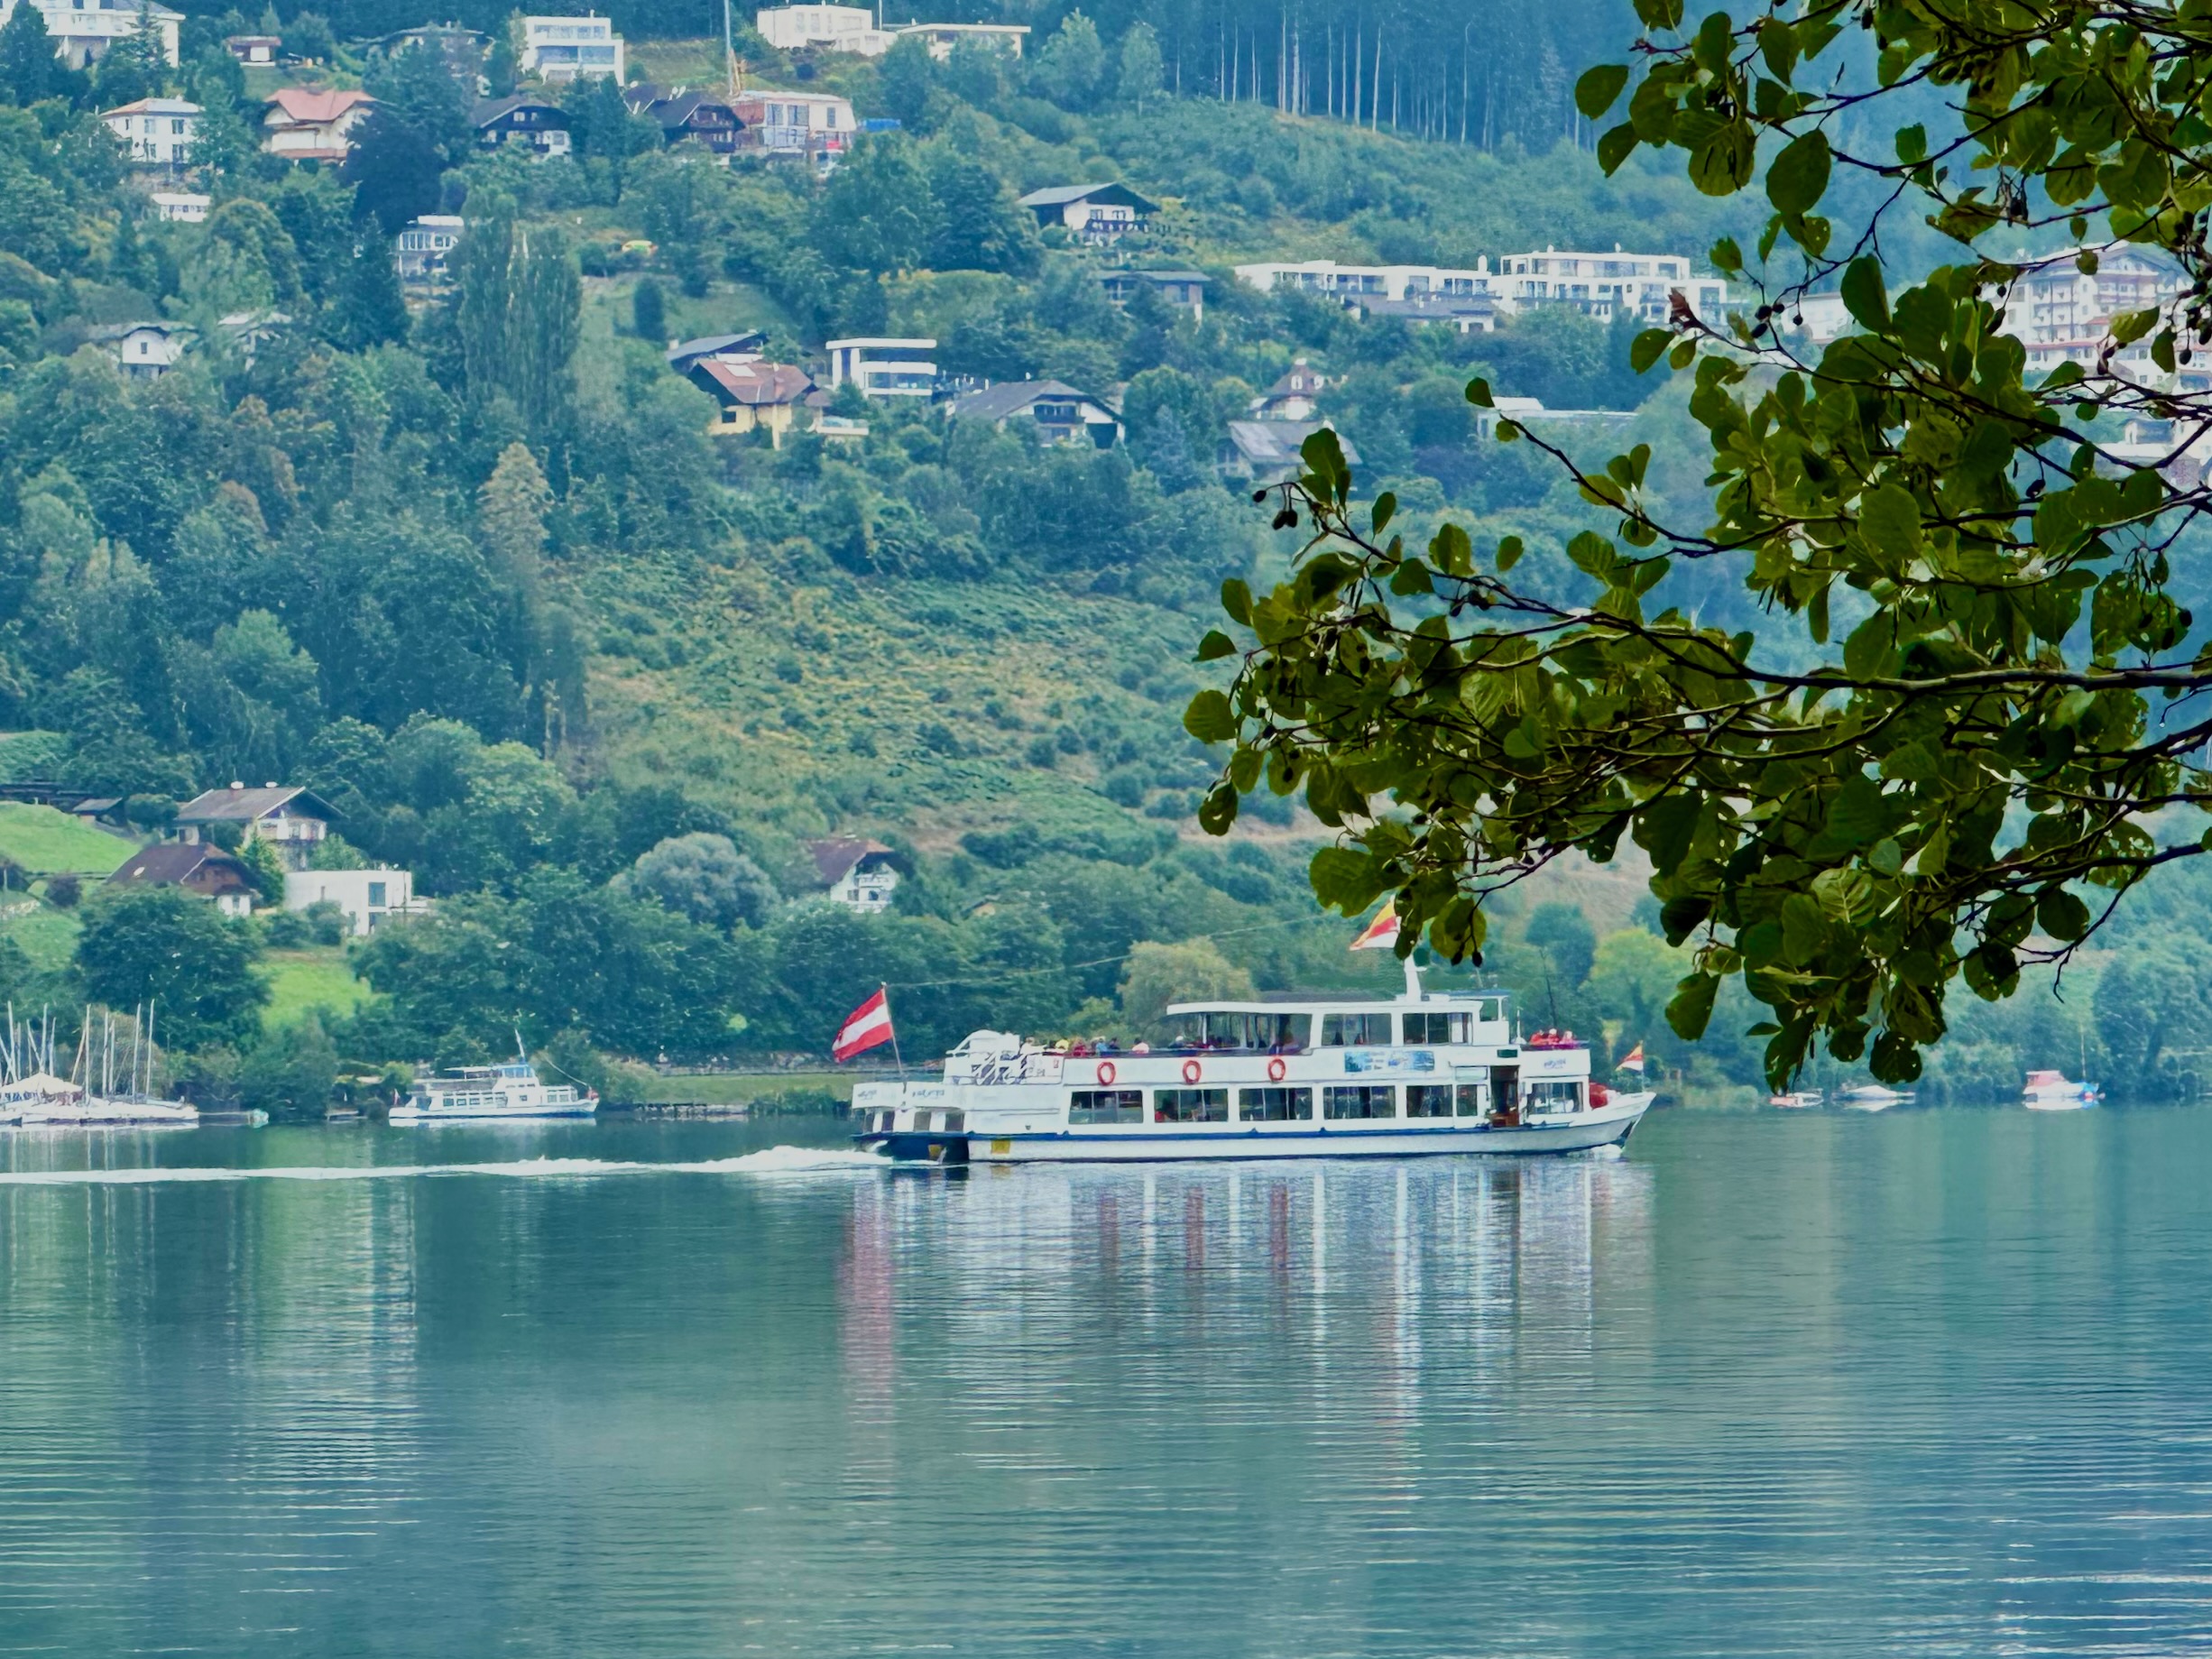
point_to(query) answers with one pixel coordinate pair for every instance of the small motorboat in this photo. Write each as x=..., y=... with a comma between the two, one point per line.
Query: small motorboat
x=1797, y=1100
x=2051, y=1091
x=1871, y=1097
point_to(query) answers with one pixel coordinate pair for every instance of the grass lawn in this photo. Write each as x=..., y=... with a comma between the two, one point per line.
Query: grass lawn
x=49, y=937
x=43, y=841
x=315, y=978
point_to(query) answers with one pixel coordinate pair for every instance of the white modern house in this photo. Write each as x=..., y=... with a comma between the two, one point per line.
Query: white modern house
x=369, y=897
x=1601, y=284
x=426, y=242
x=823, y=28
x=82, y=33
x=885, y=368
x=156, y=132
x=941, y=37
x=180, y=207
x=560, y=49
x=794, y=124
x=1330, y=280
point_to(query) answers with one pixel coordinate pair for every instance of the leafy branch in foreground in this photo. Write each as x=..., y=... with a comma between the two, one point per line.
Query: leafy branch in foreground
x=1962, y=783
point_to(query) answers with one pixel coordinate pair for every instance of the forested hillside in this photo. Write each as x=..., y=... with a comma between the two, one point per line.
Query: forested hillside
x=467, y=561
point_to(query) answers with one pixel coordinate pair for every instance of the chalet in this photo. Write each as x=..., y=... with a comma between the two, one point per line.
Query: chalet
x=155, y=132
x=1054, y=411
x=862, y=875
x=142, y=351
x=254, y=51
x=290, y=820
x=313, y=125
x=1184, y=289
x=426, y=244
x=813, y=124
x=1295, y=397
x=197, y=868
x=540, y=123
x=701, y=117
x=751, y=396
x=82, y=31
x=729, y=347
x=1099, y=213
x=1265, y=452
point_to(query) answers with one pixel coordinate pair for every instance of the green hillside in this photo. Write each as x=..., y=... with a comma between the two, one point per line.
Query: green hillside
x=44, y=841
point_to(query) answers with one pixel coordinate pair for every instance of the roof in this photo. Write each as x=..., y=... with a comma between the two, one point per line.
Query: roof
x=1011, y=397
x=1060, y=194
x=676, y=111
x=488, y=110
x=241, y=806
x=1198, y=277
x=1275, y=443
x=759, y=384
x=305, y=107
x=170, y=863
x=153, y=106
x=683, y=354
x=833, y=859
x=123, y=331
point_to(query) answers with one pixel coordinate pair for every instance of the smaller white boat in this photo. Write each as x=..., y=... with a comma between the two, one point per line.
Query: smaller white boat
x=1871, y=1097
x=1797, y=1100
x=2051, y=1091
x=477, y=1093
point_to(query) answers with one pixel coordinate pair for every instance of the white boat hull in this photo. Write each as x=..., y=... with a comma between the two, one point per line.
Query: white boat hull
x=97, y=1113
x=492, y=1114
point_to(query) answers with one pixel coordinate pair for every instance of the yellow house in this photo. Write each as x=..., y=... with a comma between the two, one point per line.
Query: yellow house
x=751, y=395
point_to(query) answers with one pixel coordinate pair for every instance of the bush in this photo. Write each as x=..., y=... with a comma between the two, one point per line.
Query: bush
x=1126, y=786
x=62, y=891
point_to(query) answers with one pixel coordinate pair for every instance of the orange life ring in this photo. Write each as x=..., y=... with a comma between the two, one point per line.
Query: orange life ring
x=1191, y=1071
x=1106, y=1071
x=1277, y=1069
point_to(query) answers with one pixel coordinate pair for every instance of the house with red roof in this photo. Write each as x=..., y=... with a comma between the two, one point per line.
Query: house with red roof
x=313, y=125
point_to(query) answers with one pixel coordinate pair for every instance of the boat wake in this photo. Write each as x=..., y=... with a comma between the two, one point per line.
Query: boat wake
x=770, y=1161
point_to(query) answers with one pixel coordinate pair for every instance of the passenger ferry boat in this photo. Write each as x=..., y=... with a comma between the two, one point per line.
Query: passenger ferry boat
x=512, y=1090
x=1303, y=1076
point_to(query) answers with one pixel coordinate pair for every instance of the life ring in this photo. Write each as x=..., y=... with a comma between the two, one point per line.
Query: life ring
x=1277, y=1070
x=1191, y=1071
x=1106, y=1071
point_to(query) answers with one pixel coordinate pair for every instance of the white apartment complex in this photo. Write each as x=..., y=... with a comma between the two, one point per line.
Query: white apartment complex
x=562, y=49
x=854, y=29
x=82, y=33
x=1596, y=284
x=1325, y=276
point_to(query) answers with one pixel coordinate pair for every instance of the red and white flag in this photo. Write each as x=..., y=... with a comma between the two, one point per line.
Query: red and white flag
x=867, y=1026
x=1382, y=933
x=1634, y=1062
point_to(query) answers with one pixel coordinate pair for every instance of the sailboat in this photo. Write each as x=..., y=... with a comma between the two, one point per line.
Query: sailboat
x=89, y=1095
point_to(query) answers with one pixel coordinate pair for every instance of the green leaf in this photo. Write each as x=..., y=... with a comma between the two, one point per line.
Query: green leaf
x=1615, y=146
x=1209, y=718
x=1478, y=393
x=1508, y=553
x=1237, y=600
x=1911, y=145
x=1726, y=257
x=1343, y=878
x=1215, y=646
x=1218, y=810
x=1799, y=176
x=1691, y=1009
x=1385, y=508
x=1595, y=92
x=2061, y=915
x=1865, y=294
x=1646, y=350
x=1889, y=524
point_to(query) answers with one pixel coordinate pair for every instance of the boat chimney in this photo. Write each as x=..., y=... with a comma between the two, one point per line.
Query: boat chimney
x=1413, y=982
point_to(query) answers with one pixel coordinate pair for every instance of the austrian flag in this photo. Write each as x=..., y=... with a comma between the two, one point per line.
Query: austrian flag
x=867, y=1026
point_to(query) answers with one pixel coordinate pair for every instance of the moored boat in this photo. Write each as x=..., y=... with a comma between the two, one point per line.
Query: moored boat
x=512, y=1090
x=1296, y=1077
x=2051, y=1091
x=1871, y=1097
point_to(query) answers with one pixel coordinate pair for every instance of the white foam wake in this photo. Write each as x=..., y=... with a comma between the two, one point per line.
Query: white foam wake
x=770, y=1161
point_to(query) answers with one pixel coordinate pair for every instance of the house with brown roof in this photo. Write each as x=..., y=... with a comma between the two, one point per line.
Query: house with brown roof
x=303, y=124
x=1053, y=410
x=858, y=873
x=683, y=113
x=197, y=868
x=751, y=395
x=540, y=123
x=1296, y=396
x=291, y=821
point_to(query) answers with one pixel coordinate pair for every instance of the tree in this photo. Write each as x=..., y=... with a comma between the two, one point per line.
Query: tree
x=1966, y=783
x=29, y=70
x=649, y=312
x=1562, y=933
x=503, y=65
x=374, y=311
x=518, y=305
x=417, y=87
x=1071, y=69
x=877, y=214
x=291, y=1073
x=1137, y=74
x=978, y=227
x=393, y=168
x=133, y=67
x=168, y=948
x=510, y=510
x=1158, y=974
x=903, y=81
x=267, y=870
x=705, y=878
x=309, y=36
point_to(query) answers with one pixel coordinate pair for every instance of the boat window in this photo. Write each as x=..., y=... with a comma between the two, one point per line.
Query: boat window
x=1106, y=1106
x=956, y=1122
x=1355, y=1031
x=1254, y=1033
x=1436, y=1028
x=1471, y=1099
x=1552, y=1097
x=1190, y=1105
x=1428, y=1099
x=1275, y=1105
x=1359, y=1100
x=884, y=1120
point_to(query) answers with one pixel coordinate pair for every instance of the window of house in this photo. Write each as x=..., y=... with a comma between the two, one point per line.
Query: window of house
x=1436, y=1028
x=1359, y=1100
x=1354, y=1030
x=1275, y=1105
x=1106, y=1106
x=1190, y=1106
x=1428, y=1099
x=376, y=892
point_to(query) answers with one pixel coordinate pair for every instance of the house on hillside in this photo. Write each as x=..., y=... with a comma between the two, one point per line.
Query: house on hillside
x=1296, y=396
x=304, y=124
x=197, y=868
x=180, y=207
x=823, y=28
x=728, y=347
x=941, y=37
x=1184, y=289
x=1057, y=412
x=795, y=125
x=1463, y=314
x=155, y=132
x=254, y=51
x=885, y=368
x=1599, y=285
x=1259, y=453
x=369, y=897
x=290, y=820
x=142, y=351
x=464, y=49
x=859, y=874
x=1099, y=213
x=83, y=30
x=703, y=117
x=540, y=123
x=563, y=49
x=751, y=396
x=426, y=244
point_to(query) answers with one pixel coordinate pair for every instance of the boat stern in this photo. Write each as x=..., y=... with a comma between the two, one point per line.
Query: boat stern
x=908, y=1123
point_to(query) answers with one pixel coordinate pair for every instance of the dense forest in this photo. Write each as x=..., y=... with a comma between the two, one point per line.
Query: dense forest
x=466, y=560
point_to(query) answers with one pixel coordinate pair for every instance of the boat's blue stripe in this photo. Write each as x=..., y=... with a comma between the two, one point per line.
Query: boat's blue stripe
x=1146, y=1136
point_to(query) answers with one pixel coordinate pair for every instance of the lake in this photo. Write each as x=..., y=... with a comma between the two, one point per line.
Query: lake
x=1932, y=1382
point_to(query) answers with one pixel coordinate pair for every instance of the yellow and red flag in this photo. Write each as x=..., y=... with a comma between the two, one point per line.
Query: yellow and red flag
x=1382, y=933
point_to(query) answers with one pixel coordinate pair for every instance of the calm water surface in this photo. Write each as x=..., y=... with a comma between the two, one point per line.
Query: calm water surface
x=1926, y=1383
